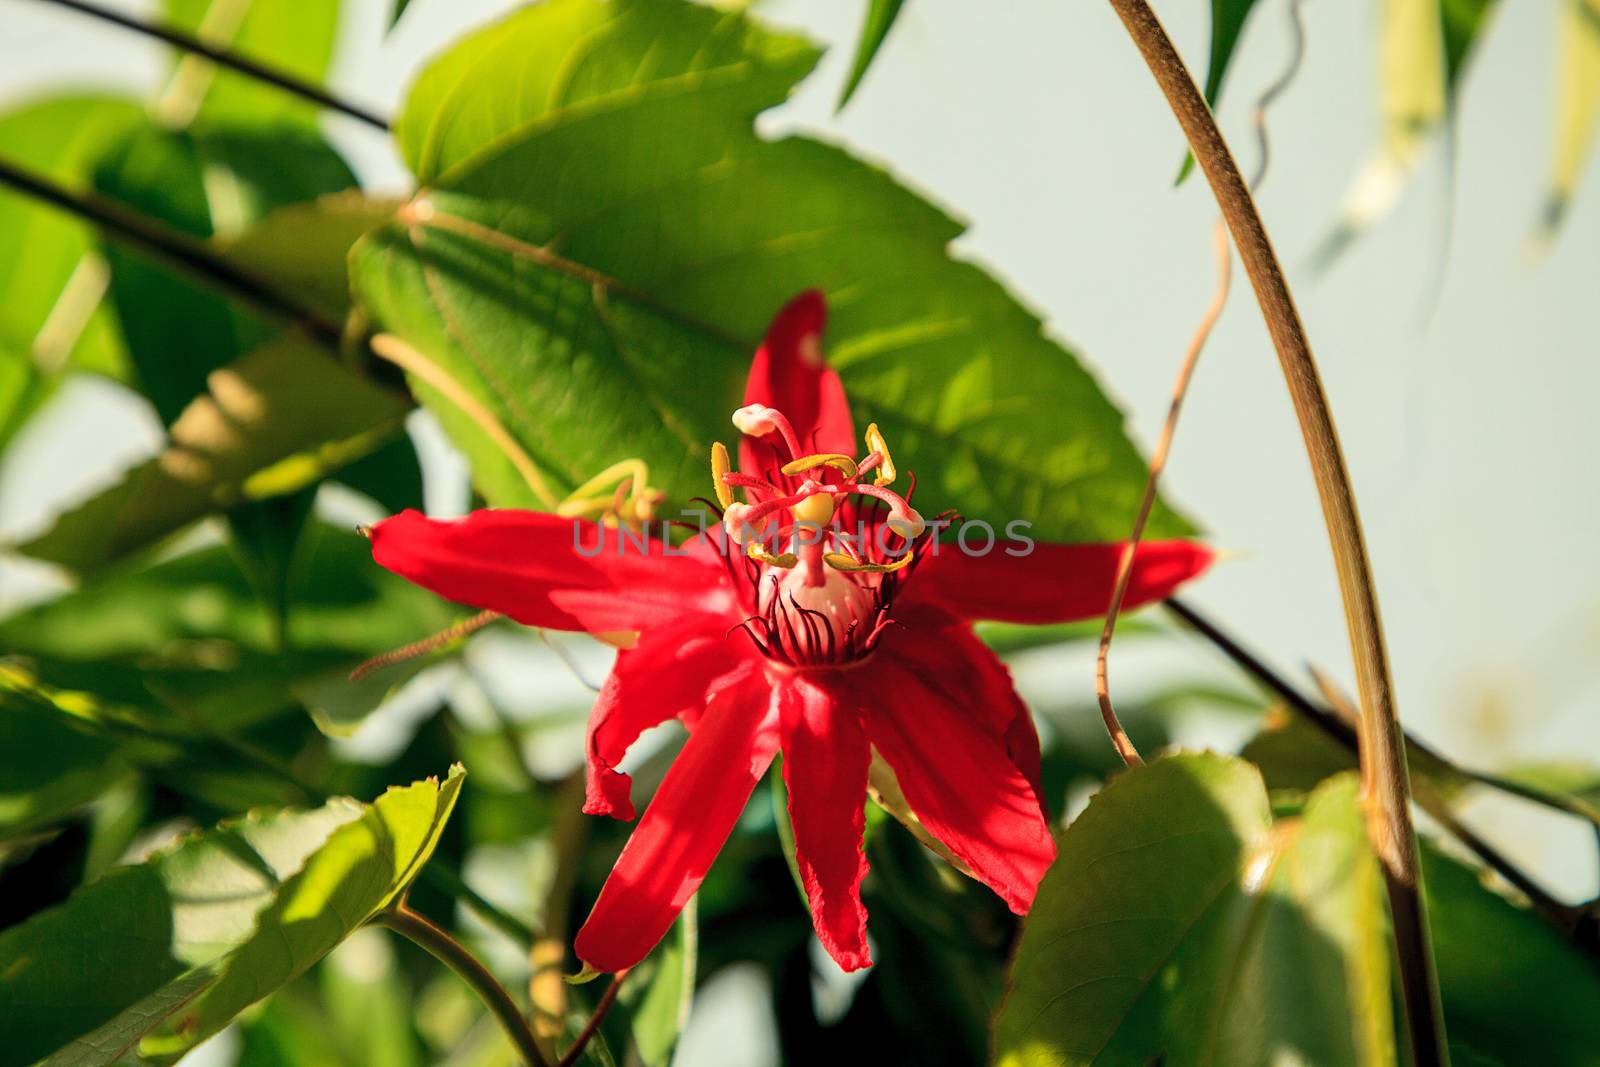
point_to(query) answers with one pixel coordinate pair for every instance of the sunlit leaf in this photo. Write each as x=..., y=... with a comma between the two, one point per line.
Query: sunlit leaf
x=1577, y=108
x=878, y=20
x=272, y=423
x=600, y=214
x=169, y=923
x=1181, y=924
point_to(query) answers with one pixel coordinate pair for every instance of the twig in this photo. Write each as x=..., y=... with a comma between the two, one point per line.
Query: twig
x=1158, y=460
x=221, y=57
x=1342, y=730
x=1386, y=787
x=183, y=251
x=590, y=1028
x=454, y=955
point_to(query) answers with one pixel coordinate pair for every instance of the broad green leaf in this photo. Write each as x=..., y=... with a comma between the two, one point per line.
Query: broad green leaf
x=1181, y=924
x=1423, y=48
x=552, y=57
x=289, y=36
x=168, y=923
x=271, y=423
x=878, y=20
x=362, y=869
x=303, y=248
x=47, y=767
x=570, y=260
x=189, y=632
x=1514, y=990
x=211, y=184
x=1577, y=107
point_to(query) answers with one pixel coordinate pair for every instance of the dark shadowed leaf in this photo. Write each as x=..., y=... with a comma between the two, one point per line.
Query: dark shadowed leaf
x=600, y=213
x=1514, y=990
x=48, y=768
x=1181, y=924
x=875, y=25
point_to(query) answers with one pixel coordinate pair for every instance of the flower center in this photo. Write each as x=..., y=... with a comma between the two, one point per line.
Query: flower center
x=823, y=548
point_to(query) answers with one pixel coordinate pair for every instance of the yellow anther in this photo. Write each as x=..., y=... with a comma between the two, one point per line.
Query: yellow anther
x=719, y=469
x=816, y=509
x=876, y=443
x=841, y=562
x=838, y=461
x=630, y=501
x=758, y=552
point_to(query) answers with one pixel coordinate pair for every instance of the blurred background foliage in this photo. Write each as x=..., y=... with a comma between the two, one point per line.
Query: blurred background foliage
x=600, y=236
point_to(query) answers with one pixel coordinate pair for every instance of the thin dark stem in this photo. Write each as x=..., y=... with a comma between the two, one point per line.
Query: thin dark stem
x=1340, y=729
x=1385, y=784
x=454, y=955
x=590, y=1028
x=223, y=58
x=179, y=249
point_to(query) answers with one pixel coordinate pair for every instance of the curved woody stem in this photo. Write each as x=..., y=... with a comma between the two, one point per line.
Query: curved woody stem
x=1386, y=791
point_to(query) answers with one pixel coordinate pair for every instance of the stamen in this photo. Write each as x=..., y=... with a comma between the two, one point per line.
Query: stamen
x=841, y=562
x=758, y=552
x=838, y=461
x=758, y=420
x=875, y=441
x=903, y=518
x=719, y=473
x=746, y=481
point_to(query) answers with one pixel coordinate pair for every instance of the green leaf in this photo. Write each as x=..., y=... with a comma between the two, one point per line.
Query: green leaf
x=1180, y=924
x=272, y=423
x=601, y=216
x=288, y=36
x=211, y=184
x=658, y=1015
x=189, y=632
x=52, y=318
x=1227, y=23
x=303, y=247
x=168, y=923
x=1513, y=988
x=399, y=10
x=208, y=927
x=1577, y=108
x=875, y=26
x=1423, y=48
x=48, y=769
x=362, y=869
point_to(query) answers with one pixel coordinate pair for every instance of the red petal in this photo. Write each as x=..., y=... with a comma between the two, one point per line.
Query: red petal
x=542, y=570
x=937, y=726
x=673, y=672
x=790, y=374
x=683, y=829
x=825, y=760
x=1053, y=583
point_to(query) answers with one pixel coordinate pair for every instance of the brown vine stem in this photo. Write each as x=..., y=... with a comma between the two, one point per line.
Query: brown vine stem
x=1158, y=461
x=590, y=1028
x=454, y=955
x=1386, y=791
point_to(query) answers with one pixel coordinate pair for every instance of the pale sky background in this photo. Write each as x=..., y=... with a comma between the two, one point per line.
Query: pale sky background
x=1468, y=430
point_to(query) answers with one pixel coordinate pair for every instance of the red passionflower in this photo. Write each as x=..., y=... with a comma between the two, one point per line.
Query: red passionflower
x=823, y=621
